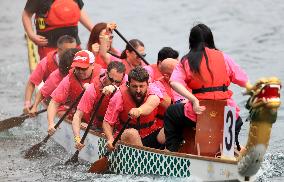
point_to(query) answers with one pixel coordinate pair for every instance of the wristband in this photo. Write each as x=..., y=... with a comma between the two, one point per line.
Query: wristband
x=77, y=139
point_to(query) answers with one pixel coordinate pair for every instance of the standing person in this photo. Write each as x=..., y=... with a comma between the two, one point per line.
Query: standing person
x=55, y=77
x=208, y=72
x=130, y=58
x=154, y=70
x=45, y=67
x=85, y=72
x=53, y=18
x=111, y=78
x=139, y=100
x=100, y=43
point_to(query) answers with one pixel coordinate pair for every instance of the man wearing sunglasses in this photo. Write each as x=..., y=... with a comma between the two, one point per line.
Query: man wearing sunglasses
x=113, y=77
x=84, y=71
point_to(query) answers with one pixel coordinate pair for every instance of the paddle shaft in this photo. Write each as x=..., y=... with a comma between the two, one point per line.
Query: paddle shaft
x=119, y=135
x=25, y=116
x=74, y=158
x=92, y=118
x=137, y=53
x=101, y=165
x=36, y=147
x=65, y=114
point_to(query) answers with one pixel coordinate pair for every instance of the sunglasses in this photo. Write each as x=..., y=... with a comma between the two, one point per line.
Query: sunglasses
x=113, y=80
x=143, y=55
x=81, y=69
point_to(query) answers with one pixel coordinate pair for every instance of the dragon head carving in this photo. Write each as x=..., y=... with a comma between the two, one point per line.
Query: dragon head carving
x=262, y=105
x=265, y=99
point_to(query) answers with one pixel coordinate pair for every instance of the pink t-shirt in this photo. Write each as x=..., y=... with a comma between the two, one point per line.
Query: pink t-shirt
x=40, y=73
x=151, y=73
x=61, y=93
x=51, y=83
x=236, y=75
x=88, y=99
x=116, y=104
x=174, y=95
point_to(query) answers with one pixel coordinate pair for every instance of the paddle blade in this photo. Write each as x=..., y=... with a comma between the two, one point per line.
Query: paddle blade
x=12, y=122
x=34, y=151
x=73, y=159
x=100, y=166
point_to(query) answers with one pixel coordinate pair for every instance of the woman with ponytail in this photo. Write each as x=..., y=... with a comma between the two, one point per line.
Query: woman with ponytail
x=207, y=72
x=130, y=58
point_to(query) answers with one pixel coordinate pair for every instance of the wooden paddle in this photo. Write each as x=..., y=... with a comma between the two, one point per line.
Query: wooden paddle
x=16, y=121
x=74, y=158
x=101, y=165
x=137, y=53
x=35, y=149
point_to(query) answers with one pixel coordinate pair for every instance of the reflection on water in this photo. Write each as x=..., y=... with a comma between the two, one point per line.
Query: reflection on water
x=249, y=31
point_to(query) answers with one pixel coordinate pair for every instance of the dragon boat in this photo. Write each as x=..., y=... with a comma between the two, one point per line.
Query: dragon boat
x=206, y=153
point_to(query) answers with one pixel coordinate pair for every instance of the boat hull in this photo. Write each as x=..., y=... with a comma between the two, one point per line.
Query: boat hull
x=128, y=159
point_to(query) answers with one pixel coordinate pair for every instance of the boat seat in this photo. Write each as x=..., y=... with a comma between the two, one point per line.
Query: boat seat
x=209, y=128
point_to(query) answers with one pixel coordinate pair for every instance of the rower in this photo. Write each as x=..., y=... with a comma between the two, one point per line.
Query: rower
x=83, y=73
x=106, y=84
x=100, y=43
x=208, y=72
x=138, y=100
x=154, y=70
x=170, y=96
x=45, y=67
x=130, y=58
x=54, y=78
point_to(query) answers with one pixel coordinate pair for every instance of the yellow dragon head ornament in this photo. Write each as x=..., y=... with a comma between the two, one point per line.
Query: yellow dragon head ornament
x=263, y=104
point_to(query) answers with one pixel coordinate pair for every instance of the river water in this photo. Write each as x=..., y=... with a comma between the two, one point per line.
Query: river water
x=252, y=32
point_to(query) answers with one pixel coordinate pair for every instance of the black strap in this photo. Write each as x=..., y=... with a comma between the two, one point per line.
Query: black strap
x=159, y=116
x=53, y=35
x=140, y=126
x=223, y=88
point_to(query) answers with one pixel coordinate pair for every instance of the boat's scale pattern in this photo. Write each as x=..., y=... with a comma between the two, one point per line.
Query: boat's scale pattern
x=128, y=160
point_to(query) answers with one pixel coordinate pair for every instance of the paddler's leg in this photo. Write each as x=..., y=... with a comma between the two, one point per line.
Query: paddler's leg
x=131, y=136
x=174, y=123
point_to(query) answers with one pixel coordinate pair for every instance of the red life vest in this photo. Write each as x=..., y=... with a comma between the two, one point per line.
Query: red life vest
x=128, y=66
x=100, y=61
x=51, y=64
x=76, y=86
x=207, y=88
x=103, y=107
x=156, y=71
x=147, y=124
x=60, y=13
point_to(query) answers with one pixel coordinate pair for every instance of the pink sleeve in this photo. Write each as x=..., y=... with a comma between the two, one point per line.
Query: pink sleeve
x=115, y=106
x=154, y=90
x=88, y=99
x=178, y=74
x=37, y=75
x=236, y=73
x=50, y=84
x=177, y=96
x=113, y=58
x=159, y=85
x=150, y=72
x=60, y=94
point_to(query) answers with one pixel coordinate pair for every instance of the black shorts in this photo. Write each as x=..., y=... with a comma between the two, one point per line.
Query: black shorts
x=151, y=140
